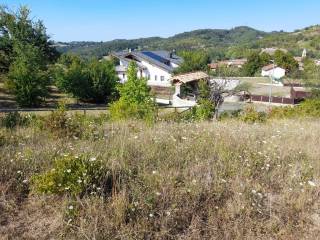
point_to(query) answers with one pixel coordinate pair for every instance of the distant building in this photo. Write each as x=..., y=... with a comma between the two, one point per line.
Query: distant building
x=273, y=71
x=271, y=51
x=236, y=63
x=156, y=66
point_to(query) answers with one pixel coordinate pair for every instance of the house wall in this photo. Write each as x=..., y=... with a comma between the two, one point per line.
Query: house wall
x=155, y=74
x=277, y=73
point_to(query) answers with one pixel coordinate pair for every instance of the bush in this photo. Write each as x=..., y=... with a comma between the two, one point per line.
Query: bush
x=14, y=119
x=74, y=175
x=135, y=99
x=60, y=124
x=308, y=108
x=250, y=115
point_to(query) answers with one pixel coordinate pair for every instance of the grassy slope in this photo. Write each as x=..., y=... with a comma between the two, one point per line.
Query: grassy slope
x=175, y=181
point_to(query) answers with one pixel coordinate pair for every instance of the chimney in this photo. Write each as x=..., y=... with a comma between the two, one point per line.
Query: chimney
x=172, y=53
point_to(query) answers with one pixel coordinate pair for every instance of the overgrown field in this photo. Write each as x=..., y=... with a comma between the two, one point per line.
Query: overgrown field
x=128, y=180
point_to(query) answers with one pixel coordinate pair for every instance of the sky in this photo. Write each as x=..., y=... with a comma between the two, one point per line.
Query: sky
x=104, y=20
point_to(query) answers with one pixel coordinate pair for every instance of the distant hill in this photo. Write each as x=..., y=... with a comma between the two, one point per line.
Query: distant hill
x=220, y=43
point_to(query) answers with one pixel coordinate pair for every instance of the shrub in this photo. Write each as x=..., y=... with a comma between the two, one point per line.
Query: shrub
x=60, y=124
x=250, y=115
x=74, y=175
x=14, y=119
x=135, y=99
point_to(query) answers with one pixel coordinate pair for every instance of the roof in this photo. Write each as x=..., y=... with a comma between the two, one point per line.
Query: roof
x=232, y=62
x=272, y=51
x=269, y=67
x=301, y=89
x=161, y=59
x=121, y=68
x=189, y=77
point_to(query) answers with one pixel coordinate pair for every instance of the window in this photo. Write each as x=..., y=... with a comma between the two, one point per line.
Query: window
x=155, y=77
x=123, y=76
x=162, y=78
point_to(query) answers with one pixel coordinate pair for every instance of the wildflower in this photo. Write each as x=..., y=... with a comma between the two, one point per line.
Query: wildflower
x=135, y=137
x=25, y=181
x=19, y=172
x=68, y=170
x=70, y=207
x=254, y=191
x=93, y=159
x=312, y=184
x=154, y=172
x=168, y=213
x=224, y=181
x=158, y=194
x=79, y=181
x=151, y=215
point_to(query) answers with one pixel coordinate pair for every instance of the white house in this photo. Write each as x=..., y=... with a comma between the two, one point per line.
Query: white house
x=273, y=71
x=156, y=66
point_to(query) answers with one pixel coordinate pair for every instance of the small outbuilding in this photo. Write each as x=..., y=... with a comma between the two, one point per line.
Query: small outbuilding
x=186, y=88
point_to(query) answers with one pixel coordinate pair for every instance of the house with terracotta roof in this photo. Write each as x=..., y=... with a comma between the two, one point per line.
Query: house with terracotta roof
x=236, y=63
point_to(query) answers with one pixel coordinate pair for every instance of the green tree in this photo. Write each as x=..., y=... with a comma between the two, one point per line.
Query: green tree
x=28, y=78
x=89, y=81
x=73, y=78
x=253, y=65
x=286, y=61
x=311, y=75
x=17, y=28
x=193, y=61
x=135, y=99
x=103, y=80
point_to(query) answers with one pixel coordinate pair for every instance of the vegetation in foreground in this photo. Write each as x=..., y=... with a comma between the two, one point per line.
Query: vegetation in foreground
x=77, y=177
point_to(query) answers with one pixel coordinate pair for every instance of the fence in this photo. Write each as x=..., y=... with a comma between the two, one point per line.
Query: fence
x=280, y=100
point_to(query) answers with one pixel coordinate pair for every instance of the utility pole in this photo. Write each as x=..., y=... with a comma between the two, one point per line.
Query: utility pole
x=271, y=82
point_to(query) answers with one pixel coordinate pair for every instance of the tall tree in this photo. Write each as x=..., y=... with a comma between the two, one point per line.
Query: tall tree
x=193, y=61
x=25, y=51
x=28, y=78
x=286, y=61
x=17, y=28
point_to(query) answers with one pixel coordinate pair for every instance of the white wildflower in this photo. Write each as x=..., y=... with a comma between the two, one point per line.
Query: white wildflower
x=93, y=159
x=151, y=215
x=68, y=170
x=312, y=184
x=154, y=172
x=70, y=207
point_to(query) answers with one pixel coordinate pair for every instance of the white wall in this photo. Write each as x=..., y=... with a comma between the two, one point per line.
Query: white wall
x=155, y=74
x=276, y=73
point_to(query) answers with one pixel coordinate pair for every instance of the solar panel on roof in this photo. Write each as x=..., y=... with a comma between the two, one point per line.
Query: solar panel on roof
x=156, y=57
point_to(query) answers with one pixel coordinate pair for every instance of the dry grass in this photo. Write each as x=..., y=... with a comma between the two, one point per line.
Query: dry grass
x=215, y=180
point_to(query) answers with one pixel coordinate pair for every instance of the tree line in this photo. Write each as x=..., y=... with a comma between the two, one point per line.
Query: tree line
x=31, y=64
